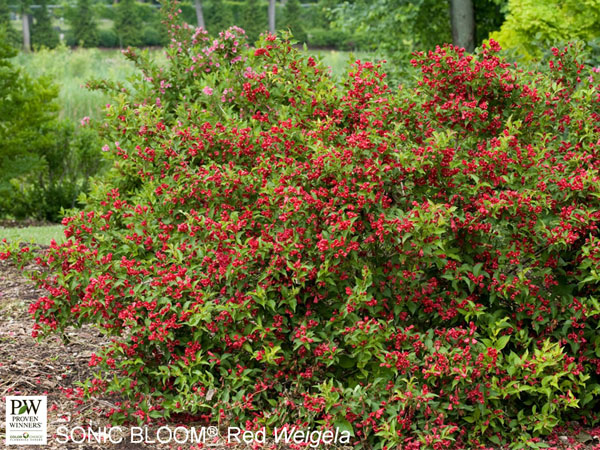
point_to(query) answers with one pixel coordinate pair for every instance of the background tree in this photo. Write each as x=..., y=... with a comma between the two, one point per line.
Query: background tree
x=27, y=112
x=462, y=16
x=82, y=19
x=220, y=17
x=45, y=162
x=489, y=17
x=293, y=21
x=10, y=33
x=26, y=24
x=199, y=13
x=43, y=33
x=272, y=24
x=396, y=28
x=128, y=23
x=252, y=20
x=531, y=26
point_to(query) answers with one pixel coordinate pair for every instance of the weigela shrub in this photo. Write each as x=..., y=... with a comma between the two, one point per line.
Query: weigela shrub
x=419, y=268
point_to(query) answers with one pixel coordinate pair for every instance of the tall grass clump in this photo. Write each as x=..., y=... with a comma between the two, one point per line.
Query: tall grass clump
x=71, y=69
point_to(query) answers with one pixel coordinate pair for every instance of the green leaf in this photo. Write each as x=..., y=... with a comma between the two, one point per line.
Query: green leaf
x=501, y=343
x=344, y=425
x=346, y=362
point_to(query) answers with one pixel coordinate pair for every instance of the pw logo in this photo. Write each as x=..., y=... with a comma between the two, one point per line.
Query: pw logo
x=26, y=420
x=25, y=406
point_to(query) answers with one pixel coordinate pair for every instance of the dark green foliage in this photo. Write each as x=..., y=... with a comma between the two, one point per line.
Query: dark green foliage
x=219, y=16
x=27, y=112
x=188, y=13
x=151, y=36
x=44, y=163
x=43, y=34
x=69, y=159
x=108, y=39
x=292, y=20
x=489, y=16
x=84, y=30
x=10, y=33
x=334, y=39
x=254, y=19
x=27, y=109
x=128, y=23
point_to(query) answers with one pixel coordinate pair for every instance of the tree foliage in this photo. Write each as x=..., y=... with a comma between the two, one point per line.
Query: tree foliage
x=43, y=33
x=253, y=20
x=27, y=111
x=292, y=20
x=397, y=28
x=219, y=17
x=84, y=28
x=532, y=26
x=128, y=23
x=10, y=33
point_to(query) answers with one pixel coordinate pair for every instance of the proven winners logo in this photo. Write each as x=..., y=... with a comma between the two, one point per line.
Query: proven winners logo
x=26, y=420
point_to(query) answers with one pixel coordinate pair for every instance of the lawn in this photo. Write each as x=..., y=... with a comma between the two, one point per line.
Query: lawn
x=37, y=235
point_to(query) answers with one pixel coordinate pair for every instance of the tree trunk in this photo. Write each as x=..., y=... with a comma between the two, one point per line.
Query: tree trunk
x=272, y=16
x=462, y=16
x=26, y=33
x=199, y=15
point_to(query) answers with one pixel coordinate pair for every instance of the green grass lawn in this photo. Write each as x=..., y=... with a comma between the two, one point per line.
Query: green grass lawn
x=37, y=235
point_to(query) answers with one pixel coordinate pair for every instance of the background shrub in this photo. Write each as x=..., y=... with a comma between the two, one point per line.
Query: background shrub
x=8, y=31
x=151, y=36
x=83, y=26
x=128, y=23
x=108, y=39
x=219, y=16
x=253, y=19
x=292, y=20
x=45, y=162
x=531, y=26
x=43, y=33
x=321, y=38
x=417, y=267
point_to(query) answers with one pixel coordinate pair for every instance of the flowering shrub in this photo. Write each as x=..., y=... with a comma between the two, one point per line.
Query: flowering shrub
x=419, y=268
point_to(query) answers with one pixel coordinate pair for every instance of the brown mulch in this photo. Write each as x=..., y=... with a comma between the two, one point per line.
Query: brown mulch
x=52, y=367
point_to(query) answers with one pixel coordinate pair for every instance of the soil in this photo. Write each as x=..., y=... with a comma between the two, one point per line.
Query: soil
x=53, y=368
